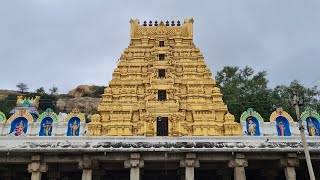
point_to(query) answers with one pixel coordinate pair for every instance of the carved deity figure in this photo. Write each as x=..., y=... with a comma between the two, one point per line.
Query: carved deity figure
x=74, y=127
x=150, y=124
x=281, y=128
x=19, y=129
x=47, y=128
x=153, y=95
x=170, y=94
x=312, y=128
x=174, y=121
x=251, y=128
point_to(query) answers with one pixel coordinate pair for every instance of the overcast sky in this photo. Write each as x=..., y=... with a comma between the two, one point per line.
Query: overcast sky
x=71, y=42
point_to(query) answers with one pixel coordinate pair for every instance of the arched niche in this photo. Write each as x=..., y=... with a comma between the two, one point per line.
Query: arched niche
x=74, y=121
x=46, y=120
x=19, y=123
x=252, y=121
x=282, y=122
x=73, y=127
x=311, y=118
x=46, y=125
x=283, y=126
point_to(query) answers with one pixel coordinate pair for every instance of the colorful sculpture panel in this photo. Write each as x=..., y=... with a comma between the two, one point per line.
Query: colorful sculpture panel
x=29, y=105
x=19, y=123
x=46, y=121
x=311, y=117
x=74, y=120
x=282, y=120
x=252, y=121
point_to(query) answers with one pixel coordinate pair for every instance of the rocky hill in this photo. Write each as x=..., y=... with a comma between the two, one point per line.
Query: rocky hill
x=85, y=104
x=4, y=94
x=84, y=97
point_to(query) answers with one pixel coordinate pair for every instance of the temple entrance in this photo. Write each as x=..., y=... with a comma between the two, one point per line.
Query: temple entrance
x=162, y=126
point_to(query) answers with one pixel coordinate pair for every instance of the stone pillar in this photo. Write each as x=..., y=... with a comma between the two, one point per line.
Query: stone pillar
x=36, y=167
x=87, y=165
x=134, y=163
x=238, y=164
x=190, y=163
x=289, y=163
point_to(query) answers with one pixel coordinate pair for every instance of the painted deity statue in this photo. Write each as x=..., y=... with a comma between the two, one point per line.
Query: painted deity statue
x=47, y=128
x=74, y=128
x=312, y=128
x=19, y=129
x=281, y=128
x=252, y=128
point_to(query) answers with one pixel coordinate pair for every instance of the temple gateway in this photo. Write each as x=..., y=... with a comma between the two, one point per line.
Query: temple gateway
x=161, y=117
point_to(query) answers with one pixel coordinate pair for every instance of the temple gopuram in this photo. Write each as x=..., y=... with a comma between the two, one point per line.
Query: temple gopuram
x=162, y=86
x=162, y=116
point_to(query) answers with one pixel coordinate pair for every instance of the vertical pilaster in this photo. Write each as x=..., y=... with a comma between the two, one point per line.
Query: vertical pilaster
x=87, y=165
x=37, y=167
x=189, y=163
x=134, y=163
x=238, y=164
x=289, y=164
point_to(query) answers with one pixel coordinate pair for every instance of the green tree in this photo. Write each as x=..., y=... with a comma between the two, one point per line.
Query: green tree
x=53, y=90
x=22, y=87
x=243, y=88
x=40, y=90
x=97, y=91
x=6, y=105
x=282, y=96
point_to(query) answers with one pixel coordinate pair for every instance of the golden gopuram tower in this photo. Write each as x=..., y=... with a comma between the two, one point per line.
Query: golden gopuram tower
x=163, y=87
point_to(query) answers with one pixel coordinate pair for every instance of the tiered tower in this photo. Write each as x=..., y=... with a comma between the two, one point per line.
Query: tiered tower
x=162, y=86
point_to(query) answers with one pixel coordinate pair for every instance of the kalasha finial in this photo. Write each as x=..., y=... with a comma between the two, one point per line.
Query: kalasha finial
x=178, y=23
x=144, y=23
x=167, y=23
x=172, y=23
x=150, y=23
x=156, y=23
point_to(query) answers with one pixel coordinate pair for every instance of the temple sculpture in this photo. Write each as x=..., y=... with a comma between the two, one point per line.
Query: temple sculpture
x=163, y=87
x=311, y=119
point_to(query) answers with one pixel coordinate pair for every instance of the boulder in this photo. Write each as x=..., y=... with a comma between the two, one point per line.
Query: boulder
x=80, y=91
x=86, y=105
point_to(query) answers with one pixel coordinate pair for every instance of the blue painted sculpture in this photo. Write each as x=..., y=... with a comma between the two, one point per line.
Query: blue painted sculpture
x=74, y=119
x=46, y=121
x=19, y=126
x=282, y=120
x=312, y=121
x=73, y=127
x=252, y=120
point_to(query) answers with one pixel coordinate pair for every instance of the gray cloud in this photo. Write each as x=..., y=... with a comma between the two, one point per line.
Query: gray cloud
x=67, y=43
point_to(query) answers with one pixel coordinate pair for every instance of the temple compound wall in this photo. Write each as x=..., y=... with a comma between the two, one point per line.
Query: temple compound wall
x=162, y=117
